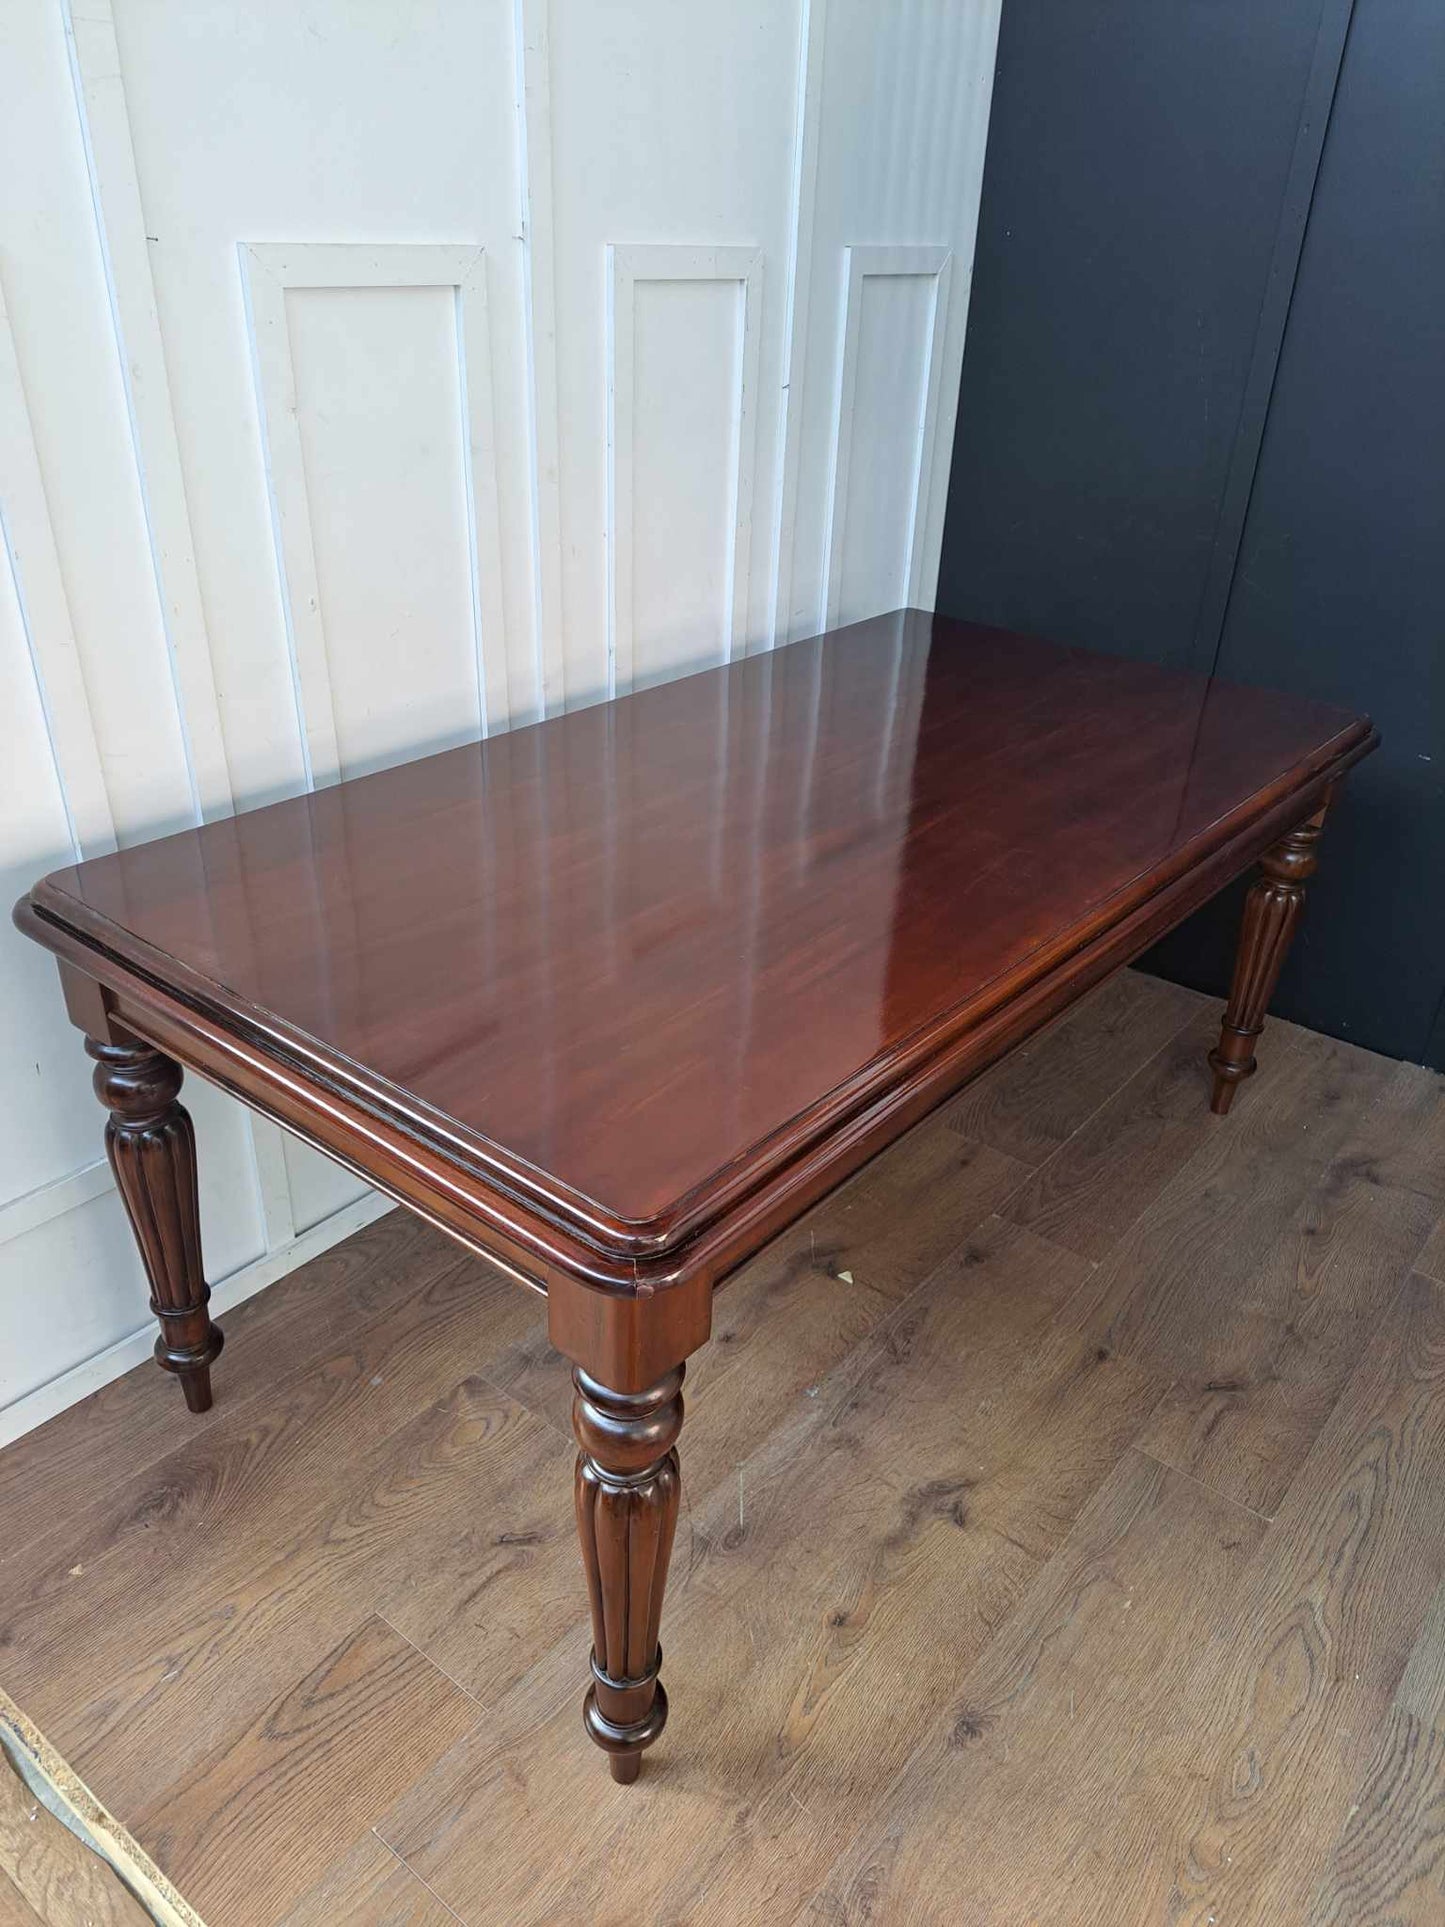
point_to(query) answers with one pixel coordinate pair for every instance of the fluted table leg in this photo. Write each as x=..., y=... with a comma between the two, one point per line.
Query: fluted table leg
x=151, y=1144
x=1271, y=913
x=628, y=1484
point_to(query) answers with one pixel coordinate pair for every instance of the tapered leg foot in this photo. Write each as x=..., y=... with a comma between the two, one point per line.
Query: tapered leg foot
x=1222, y=1095
x=628, y=1485
x=196, y=1385
x=151, y=1145
x=1271, y=914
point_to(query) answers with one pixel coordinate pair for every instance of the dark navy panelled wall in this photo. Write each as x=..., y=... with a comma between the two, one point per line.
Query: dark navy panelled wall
x=1202, y=414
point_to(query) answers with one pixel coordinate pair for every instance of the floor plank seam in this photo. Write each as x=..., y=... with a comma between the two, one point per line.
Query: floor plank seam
x=1195, y=1016
x=526, y=1405
x=1203, y=1485
x=480, y=1704
x=402, y=1861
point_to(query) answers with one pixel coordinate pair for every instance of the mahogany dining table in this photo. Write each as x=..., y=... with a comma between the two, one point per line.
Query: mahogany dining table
x=613, y=998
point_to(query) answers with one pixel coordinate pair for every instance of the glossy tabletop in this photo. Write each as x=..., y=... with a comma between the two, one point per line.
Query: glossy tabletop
x=634, y=956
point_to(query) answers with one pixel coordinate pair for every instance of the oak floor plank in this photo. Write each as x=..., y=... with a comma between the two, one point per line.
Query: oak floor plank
x=1038, y=1096
x=474, y=1466
x=1432, y=1258
x=90, y=1452
x=1291, y=1689
x=1243, y=1416
x=791, y=1315
x=893, y=1223
x=202, y=1471
x=52, y=1872
x=370, y=1887
x=1100, y=1180
x=1195, y=1247
x=1189, y=1285
x=207, y=1515
x=318, y=1765
x=15, y=1909
x=1421, y=1692
x=1018, y=1805
x=504, y=1581
x=1388, y=1865
x=897, y=1525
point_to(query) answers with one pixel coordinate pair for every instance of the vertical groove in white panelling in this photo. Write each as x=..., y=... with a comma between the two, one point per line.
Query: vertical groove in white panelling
x=532, y=28
x=927, y=108
x=932, y=474
x=273, y=1182
x=901, y=111
x=484, y=535
x=46, y=1139
x=120, y=224
x=300, y=592
x=45, y=613
x=671, y=126
x=812, y=33
x=273, y=510
x=490, y=709
x=976, y=45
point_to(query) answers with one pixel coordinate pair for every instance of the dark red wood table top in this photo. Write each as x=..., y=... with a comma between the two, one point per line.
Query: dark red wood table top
x=634, y=959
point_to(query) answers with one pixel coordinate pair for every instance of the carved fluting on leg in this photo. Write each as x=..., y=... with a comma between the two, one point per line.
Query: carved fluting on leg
x=1271, y=912
x=628, y=1485
x=151, y=1144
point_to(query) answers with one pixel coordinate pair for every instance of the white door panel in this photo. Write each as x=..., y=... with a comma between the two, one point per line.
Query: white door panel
x=682, y=401
x=373, y=384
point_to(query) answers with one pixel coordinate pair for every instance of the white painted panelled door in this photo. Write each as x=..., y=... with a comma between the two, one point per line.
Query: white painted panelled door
x=373, y=378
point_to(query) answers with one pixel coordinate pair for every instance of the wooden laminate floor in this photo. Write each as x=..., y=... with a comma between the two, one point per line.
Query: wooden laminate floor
x=1063, y=1541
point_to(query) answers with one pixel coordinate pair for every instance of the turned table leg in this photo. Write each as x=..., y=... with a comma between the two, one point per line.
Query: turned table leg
x=1271, y=912
x=628, y=1485
x=151, y=1145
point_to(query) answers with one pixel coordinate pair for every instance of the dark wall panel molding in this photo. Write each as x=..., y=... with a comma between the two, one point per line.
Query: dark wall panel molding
x=1299, y=188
